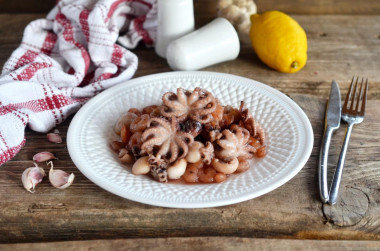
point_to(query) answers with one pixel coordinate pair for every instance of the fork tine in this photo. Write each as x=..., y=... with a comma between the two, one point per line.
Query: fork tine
x=353, y=93
x=359, y=96
x=348, y=93
x=364, y=101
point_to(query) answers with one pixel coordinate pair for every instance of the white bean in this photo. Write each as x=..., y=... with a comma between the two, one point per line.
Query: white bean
x=141, y=166
x=176, y=170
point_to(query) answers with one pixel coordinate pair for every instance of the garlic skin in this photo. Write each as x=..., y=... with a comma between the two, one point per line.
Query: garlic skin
x=60, y=179
x=31, y=177
x=43, y=156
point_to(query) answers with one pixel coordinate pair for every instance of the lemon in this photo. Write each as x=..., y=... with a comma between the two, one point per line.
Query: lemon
x=279, y=41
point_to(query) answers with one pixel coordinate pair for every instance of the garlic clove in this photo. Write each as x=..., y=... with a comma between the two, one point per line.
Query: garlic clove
x=60, y=179
x=43, y=156
x=54, y=138
x=31, y=177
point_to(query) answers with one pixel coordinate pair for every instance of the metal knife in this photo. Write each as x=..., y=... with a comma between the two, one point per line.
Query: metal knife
x=332, y=123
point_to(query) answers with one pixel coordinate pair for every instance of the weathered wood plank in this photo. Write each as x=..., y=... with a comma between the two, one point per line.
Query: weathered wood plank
x=333, y=53
x=339, y=47
x=207, y=7
x=85, y=211
x=197, y=243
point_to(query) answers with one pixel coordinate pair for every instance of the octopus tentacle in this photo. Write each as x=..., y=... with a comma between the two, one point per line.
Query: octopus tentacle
x=186, y=137
x=174, y=150
x=148, y=145
x=165, y=135
x=198, y=105
x=207, y=108
x=207, y=118
x=226, y=144
x=160, y=122
x=182, y=145
x=164, y=149
x=261, y=135
x=172, y=106
x=182, y=98
x=201, y=104
x=207, y=153
x=167, y=97
x=235, y=143
x=193, y=96
x=251, y=124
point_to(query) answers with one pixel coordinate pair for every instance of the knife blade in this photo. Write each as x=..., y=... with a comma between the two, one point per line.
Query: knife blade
x=332, y=123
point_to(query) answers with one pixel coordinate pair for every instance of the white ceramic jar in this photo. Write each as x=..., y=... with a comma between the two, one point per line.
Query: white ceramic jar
x=214, y=43
x=175, y=19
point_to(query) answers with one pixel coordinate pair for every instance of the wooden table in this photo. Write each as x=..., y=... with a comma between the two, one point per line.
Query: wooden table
x=343, y=41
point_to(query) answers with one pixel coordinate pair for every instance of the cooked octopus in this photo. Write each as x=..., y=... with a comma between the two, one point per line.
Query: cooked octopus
x=125, y=119
x=139, y=123
x=159, y=173
x=251, y=124
x=234, y=143
x=172, y=144
x=197, y=105
x=207, y=153
x=193, y=128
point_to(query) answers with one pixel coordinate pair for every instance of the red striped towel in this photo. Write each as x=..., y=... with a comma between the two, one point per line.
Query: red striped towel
x=67, y=58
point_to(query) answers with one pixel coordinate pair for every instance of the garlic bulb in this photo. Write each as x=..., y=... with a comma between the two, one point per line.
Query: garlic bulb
x=238, y=12
x=60, y=179
x=31, y=177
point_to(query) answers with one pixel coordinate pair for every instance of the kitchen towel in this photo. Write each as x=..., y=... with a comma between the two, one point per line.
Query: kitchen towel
x=67, y=58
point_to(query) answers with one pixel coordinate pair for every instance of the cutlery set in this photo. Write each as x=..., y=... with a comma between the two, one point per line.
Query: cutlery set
x=352, y=113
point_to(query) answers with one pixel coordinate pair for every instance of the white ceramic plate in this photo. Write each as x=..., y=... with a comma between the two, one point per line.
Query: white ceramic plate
x=288, y=130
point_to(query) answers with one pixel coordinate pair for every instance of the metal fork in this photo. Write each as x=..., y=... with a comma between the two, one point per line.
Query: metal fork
x=352, y=113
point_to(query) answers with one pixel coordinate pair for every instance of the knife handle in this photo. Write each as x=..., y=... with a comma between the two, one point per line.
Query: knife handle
x=339, y=170
x=323, y=155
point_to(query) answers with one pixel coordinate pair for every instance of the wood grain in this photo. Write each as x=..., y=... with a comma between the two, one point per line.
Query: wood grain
x=208, y=6
x=196, y=243
x=339, y=46
x=333, y=53
x=85, y=211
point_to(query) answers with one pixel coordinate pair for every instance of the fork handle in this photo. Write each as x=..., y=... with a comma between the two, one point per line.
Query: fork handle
x=323, y=155
x=339, y=170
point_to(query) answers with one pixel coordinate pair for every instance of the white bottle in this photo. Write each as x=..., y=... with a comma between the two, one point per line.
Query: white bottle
x=175, y=19
x=214, y=43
